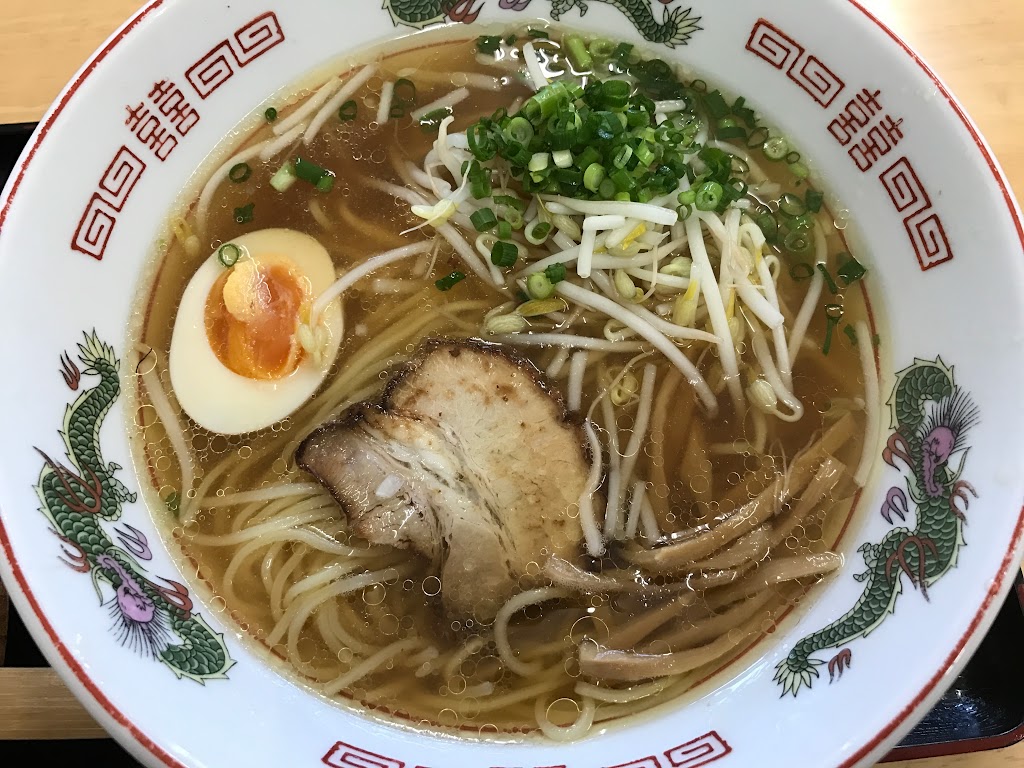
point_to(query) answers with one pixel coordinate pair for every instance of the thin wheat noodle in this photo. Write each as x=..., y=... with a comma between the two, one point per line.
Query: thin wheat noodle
x=659, y=417
x=268, y=493
x=872, y=399
x=642, y=624
x=370, y=665
x=691, y=636
x=335, y=102
x=281, y=143
x=336, y=589
x=172, y=427
x=627, y=666
x=246, y=534
x=565, y=733
x=504, y=615
x=828, y=476
x=775, y=572
x=752, y=547
x=701, y=543
x=217, y=178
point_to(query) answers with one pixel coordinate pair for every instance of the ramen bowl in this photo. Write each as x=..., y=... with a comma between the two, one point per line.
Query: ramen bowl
x=921, y=202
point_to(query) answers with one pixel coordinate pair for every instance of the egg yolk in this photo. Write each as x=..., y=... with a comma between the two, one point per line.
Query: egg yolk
x=252, y=313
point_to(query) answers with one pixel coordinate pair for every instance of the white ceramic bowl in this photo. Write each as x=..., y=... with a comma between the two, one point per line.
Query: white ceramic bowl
x=931, y=212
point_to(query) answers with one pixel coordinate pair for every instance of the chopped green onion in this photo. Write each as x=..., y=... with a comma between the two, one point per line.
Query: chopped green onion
x=745, y=113
x=513, y=217
x=851, y=271
x=240, y=172
x=480, y=187
x=562, y=158
x=800, y=170
x=769, y=226
x=433, y=119
x=593, y=176
x=538, y=162
x=228, y=254
x=283, y=178
x=537, y=34
x=622, y=156
x=709, y=195
x=484, y=220
x=687, y=197
x=775, y=148
x=813, y=200
x=644, y=154
x=510, y=202
x=622, y=180
x=833, y=314
x=833, y=288
x=538, y=233
x=798, y=243
x=539, y=287
x=270, y=114
x=173, y=502
x=803, y=222
x=801, y=271
x=579, y=56
x=757, y=137
x=244, y=214
x=450, y=281
x=488, y=43
x=728, y=128
x=404, y=91
x=519, y=130
x=504, y=230
x=314, y=174
x=792, y=157
x=348, y=111
x=716, y=105
x=791, y=205
x=851, y=333
x=555, y=272
x=504, y=254
x=601, y=49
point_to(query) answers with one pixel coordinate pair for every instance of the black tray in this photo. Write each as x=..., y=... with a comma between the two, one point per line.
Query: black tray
x=983, y=709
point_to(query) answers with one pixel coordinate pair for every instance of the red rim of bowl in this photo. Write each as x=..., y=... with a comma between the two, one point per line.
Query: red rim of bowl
x=73, y=672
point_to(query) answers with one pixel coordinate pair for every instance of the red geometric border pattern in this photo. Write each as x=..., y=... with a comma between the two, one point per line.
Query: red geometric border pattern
x=693, y=754
x=707, y=749
x=344, y=755
x=644, y=762
x=783, y=53
x=924, y=228
x=1008, y=562
x=97, y=222
x=246, y=45
x=121, y=176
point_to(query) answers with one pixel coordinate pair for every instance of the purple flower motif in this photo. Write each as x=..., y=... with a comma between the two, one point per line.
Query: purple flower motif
x=514, y=5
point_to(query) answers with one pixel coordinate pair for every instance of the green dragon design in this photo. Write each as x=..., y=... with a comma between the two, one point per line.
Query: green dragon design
x=676, y=27
x=930, y=420
x=78, y=503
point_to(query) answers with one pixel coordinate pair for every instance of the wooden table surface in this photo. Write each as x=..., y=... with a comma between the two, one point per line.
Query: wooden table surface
x=976, y=47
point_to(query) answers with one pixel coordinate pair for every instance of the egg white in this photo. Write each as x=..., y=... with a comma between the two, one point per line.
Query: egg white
x=213, y=395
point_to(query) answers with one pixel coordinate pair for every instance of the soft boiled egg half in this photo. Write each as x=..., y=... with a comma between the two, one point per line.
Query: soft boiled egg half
x=243, y=355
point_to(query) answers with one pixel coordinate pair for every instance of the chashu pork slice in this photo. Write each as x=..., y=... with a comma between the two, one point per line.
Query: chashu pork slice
x=469, y=460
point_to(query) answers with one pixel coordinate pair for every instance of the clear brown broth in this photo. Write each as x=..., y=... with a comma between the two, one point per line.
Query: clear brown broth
x=383, y=613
